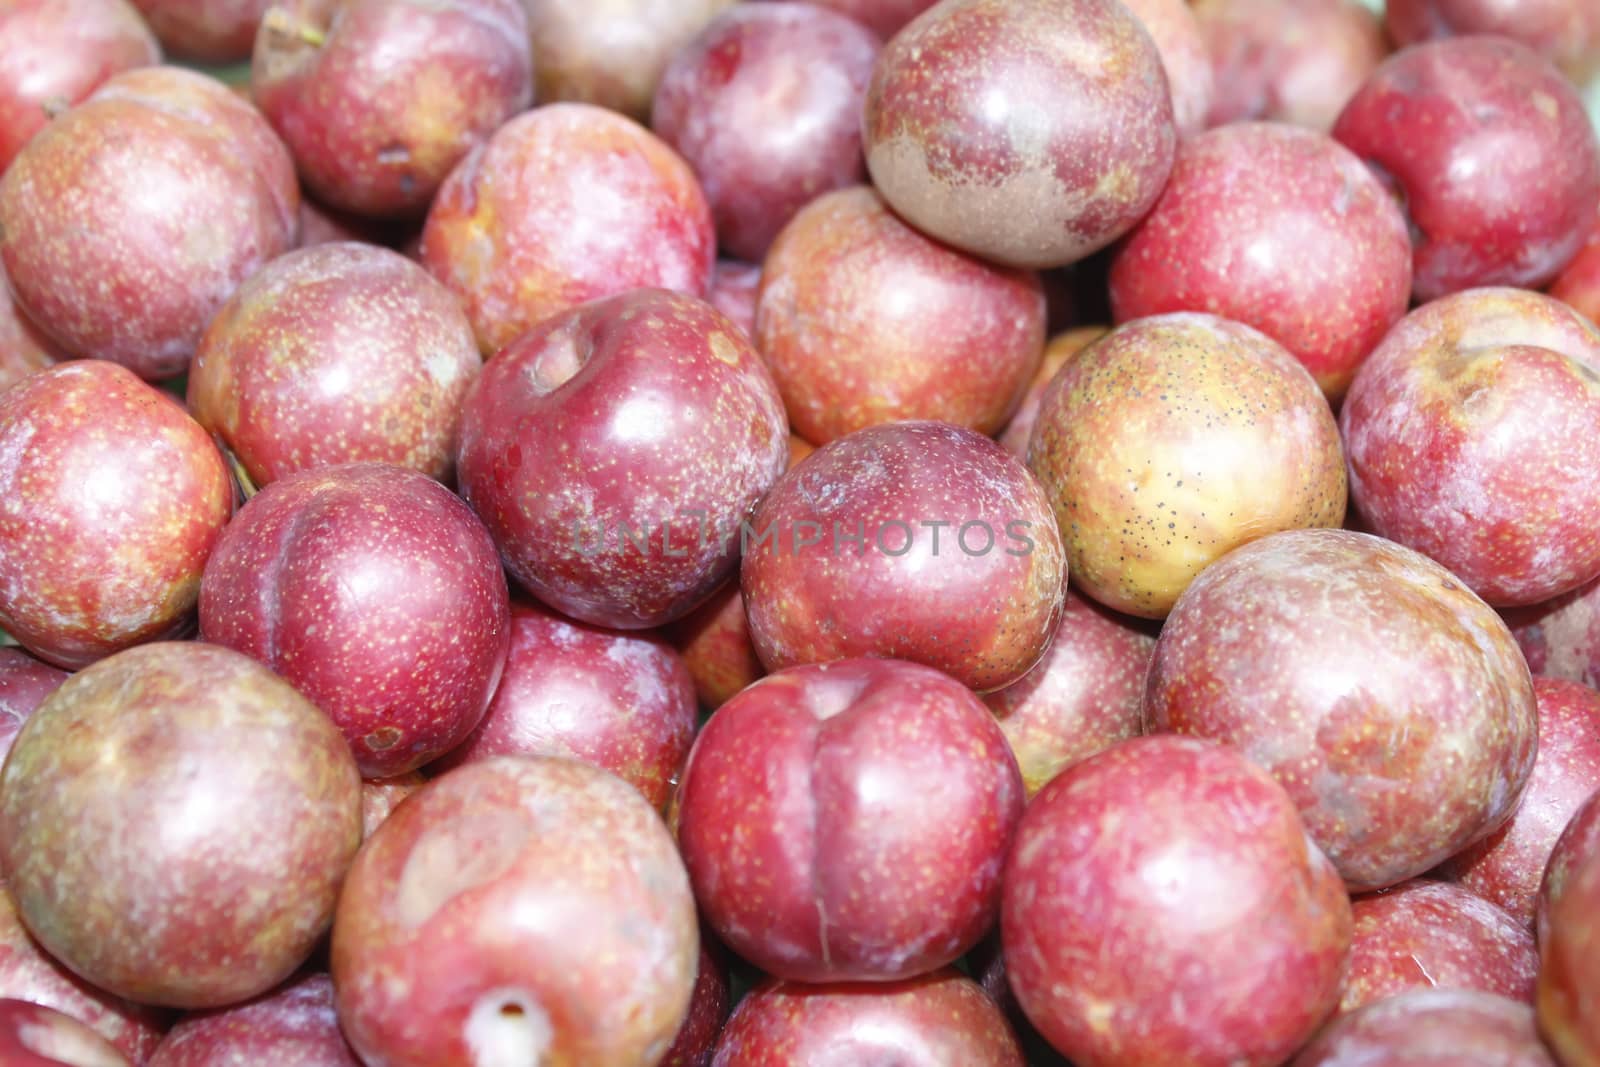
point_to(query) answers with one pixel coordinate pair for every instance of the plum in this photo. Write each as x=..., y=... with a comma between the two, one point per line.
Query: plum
x=378, y=100
x=23, y=348
x=734, y=287
x=1030, y=132
x=248, y=815
x=1173, y=440
x=293, y=1026
x=24, y=684
x=1060, y=349
x=127, y=222
x=338, y=353
x=913, y=540
x=863, y=321
x=1390, y=701
x=428, y=970
x=1184, y=56
x=32, y=1035
x=375, y=591
x=565, y=204
x=1163, y=904
x=623, y=702
x=765, y=104
x=380, y=796
x=53, y=53
x=813, y=847
x=1567, y=32
x=708, y=1011
x=1579, y=840
x=111, y=499
x=1569, y=973
x=1431, y=1028
x=206, y=31
x=614, y=450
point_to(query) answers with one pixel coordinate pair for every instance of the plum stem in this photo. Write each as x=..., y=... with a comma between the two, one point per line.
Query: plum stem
x=281, y=22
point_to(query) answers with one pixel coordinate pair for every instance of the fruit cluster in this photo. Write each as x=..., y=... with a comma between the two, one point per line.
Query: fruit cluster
x=945, y=533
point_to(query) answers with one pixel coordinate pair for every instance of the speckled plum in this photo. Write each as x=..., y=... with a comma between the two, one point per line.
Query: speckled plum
x=1579, y=283
x=1424, y=934
x=708, y=1011
x=918, y=541
x=23, y=348
x=1163, y=904
x=210, y=31
x=1579, y=840
x=612, y=57
x=1567, y=32
x=942, y=1019
x=336, y=354
x=1061, y=348
x=765, y=104
x=28, y=973
x=377, y=593
x=863, y=320
x=111, y=498
x=1492, y=153
x=1432, y=1028
x=1084, y=696
x=565, y=204
x=53, y=53
x=32, y=1035
x=24, y=683
x=378, y=100
x=883, y=17
x=429, y=972
x=294, y=1026
x=614, y=450
x=734, y=287
x=623, y=702
x=1473, y=432
x=1184, y=56
x=1030, y=132
x=1297, y=61
x=1508, y=868
x=380, y=796
x=1173, y=440
x=1390, y=701
x=1569, y=974
x=249, y=813
x=1281, y=228
x=127, y=222
x=815, y=850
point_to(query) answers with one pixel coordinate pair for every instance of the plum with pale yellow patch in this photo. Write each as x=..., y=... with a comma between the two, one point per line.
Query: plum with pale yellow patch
x=941, y=1019
x=1281, y=228
x=53, y=53
x=1425, y=934
x=1508, y=868
x=814, y=848
x=128, y=221
x=915, y=540
x=1173, y=440
x=566, y=204
x=863, y=321
x=614, y=451
x=1432, y=1028
x=428, y=970
x=1579, y=840
x=1297, y=61
x=293, y=1026
x=1492, y=154
x=1029, y=132
x=378, y=593
x=378, y=100
x=1163, y=904
x=111, y=499
x=1390, y=701
x=612, y=56
x=1084, y=696
x=249, y=815
x=339, y=353
x=1568, y=995
x=1473, y=436
x=623, y=702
